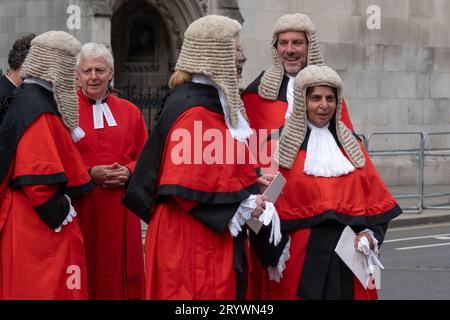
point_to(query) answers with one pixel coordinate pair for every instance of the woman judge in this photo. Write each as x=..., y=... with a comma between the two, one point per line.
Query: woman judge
x=331, y=184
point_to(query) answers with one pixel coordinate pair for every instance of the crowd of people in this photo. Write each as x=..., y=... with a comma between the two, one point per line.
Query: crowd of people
x=79, y=173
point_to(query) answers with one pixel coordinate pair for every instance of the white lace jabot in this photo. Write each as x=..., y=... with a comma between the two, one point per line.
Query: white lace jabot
x=323, y=156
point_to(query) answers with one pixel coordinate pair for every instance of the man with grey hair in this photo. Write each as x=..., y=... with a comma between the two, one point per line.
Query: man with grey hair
x=116, y=133
x=41, y=246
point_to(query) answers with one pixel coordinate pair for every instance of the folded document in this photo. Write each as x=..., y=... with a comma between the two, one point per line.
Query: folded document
x=355, y=260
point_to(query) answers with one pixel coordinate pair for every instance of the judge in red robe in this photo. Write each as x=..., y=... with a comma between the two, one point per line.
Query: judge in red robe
x=41, y=246
x=331, y=184
x=116, y=133
x=194, y=182
x=268, y=99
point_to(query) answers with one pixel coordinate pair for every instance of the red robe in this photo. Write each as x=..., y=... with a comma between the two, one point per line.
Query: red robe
x=113, y=237
x=314, y=211
x=190, y=253
x=35, y=261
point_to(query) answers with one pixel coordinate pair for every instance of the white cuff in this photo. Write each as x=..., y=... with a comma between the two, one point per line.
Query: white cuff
x=270, y=215
x=72, y=214
x=372, y=255
x=374, y=241
x=77, y=134
x=243, y=213
x=276, y=273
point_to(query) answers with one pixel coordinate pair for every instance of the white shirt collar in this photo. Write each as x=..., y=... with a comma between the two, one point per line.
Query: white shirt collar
x=45, y=84
x=102, y=100
x=10, y=80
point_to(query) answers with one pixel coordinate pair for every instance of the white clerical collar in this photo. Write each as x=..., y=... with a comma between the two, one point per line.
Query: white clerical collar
x=101, y=111
x=323, y=156
x=290, y=96
x=45, y=84
x=242, y=131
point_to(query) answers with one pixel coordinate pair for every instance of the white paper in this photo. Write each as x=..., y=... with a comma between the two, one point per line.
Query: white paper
x=273, y=191
x=355, y=260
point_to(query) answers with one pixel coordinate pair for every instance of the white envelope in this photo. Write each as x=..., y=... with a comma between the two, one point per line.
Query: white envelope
x=355, y=260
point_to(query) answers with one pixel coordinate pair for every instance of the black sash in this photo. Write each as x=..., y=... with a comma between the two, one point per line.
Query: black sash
x=324, y=275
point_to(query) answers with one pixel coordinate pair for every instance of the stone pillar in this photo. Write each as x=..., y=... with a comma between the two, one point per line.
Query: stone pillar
x=96, y=22
x=229, y=8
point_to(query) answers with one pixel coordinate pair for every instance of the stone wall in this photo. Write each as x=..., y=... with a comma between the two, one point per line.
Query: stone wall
x=395, y=79
x=20, y=17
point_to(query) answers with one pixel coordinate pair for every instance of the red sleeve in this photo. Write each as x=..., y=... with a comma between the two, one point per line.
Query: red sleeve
x=37, y=153
x=49, y=202
x=345, y=116
x=46, y=155
x=40, y=194
x=47, y=165
x=141, y=135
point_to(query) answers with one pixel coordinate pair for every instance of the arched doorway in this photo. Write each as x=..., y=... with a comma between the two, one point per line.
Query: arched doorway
x=146, y=36
x=141, y=45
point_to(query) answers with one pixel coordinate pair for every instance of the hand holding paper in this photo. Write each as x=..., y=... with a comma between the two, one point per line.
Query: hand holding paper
x=358, y=262
x=270, y=215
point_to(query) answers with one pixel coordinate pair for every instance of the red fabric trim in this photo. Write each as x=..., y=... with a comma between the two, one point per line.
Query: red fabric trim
x=55, y=146
x=360, y=193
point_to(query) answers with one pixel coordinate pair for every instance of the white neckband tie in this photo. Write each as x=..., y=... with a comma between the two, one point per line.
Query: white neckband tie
x=290, y=96
x=323, y=156
x=100, y=110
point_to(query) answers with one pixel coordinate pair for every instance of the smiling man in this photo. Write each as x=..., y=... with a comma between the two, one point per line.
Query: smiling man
x=269, y=99
x=115, y=135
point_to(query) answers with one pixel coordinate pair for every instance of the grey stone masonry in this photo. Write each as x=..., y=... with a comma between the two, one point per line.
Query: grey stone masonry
x=396, y=78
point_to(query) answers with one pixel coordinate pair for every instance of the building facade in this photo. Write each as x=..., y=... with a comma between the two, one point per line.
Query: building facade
x=393, y=55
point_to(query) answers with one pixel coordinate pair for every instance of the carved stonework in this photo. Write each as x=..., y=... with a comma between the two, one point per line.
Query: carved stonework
x=139, y=67
x=169, y=17
x=204, y=5
x=231, y=9
x=147, y=36
x=100, y=8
